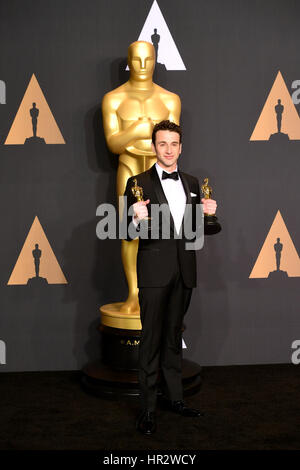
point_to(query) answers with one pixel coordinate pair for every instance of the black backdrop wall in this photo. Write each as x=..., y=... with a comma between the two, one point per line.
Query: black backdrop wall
x=76, y=49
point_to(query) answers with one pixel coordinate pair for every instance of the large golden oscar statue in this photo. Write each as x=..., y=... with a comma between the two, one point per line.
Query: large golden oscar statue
x=129, y=115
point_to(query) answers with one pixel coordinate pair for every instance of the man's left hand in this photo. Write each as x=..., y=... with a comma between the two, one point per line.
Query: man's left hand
x=209, y=206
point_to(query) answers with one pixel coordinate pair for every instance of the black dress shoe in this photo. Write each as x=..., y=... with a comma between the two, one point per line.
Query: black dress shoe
x=146, y=423
x=180, y=408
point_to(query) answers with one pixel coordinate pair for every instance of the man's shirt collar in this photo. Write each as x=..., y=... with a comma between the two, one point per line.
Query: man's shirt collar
x=160, y=170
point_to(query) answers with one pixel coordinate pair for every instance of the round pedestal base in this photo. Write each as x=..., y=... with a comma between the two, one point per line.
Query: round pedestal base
x=211, y=225
x=112, y=316
x=101, y=380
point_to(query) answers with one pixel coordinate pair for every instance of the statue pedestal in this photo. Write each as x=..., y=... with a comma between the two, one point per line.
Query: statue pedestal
x=112, y=316
x=211, y=225
x=35, y=140
x=279, y=137
x=116, y=373
x=278, y=274
x=100, y=380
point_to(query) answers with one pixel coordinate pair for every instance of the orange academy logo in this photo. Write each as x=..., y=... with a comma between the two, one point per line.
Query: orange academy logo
x=279, y=120
x=36, y=264
x=278, y=258
x=34, y=122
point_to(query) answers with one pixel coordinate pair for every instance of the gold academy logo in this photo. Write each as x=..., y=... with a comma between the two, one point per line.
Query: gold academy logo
x=278, y=257
x=279, y=120
x=34, y=122
x=36, y=264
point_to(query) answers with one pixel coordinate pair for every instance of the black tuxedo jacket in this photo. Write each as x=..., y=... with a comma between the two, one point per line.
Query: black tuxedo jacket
x=156, y=258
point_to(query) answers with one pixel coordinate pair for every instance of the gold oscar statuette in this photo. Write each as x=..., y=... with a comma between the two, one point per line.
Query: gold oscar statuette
x=129, y=115
x=138, y=193
x=211, y=224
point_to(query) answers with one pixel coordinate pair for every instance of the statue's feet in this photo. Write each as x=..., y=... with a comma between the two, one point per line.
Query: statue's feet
x=131, y=305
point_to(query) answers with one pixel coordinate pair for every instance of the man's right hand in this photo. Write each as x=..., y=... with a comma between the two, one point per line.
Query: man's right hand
x=140, y=210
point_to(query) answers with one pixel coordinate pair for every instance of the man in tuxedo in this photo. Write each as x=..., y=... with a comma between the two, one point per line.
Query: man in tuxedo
x=166, y=272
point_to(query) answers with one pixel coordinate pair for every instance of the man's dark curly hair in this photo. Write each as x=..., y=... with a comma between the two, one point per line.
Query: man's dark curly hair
x=166, y=126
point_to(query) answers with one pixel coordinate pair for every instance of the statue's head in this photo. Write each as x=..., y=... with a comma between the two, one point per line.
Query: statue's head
x=141, y=60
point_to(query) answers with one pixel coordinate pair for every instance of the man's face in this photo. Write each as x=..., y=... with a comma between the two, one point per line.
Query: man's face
x=167, y=148
x=141, y=60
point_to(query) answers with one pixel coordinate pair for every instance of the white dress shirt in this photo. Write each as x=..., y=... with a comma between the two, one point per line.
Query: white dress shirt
x=175, y=194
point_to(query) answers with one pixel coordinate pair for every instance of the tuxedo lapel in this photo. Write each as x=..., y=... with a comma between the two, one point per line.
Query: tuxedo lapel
x=187, y=212
x=161, y=197
x=186, y=187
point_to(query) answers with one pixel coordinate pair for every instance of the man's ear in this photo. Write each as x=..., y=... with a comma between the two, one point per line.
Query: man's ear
x=180, y=149
x=153, y=147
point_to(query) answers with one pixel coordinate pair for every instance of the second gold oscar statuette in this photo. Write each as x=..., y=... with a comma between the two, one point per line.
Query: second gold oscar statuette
x=211, y=224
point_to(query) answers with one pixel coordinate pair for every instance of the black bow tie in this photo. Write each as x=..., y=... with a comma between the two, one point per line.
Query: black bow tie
x=172, y=176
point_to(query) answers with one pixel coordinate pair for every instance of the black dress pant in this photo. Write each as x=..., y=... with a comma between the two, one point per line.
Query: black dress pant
x=162, y=312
